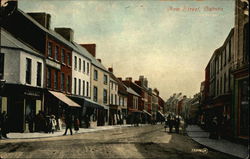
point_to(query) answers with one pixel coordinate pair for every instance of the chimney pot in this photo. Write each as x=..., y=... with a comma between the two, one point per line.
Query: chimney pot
x=99, y=60
x=110, y=69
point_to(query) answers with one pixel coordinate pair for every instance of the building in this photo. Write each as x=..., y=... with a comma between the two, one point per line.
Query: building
x=240, y=72
x=114, y=108
x=99, y=77
x=22, y=68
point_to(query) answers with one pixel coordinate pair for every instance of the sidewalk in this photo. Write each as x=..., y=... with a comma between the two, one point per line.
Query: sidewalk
x=60, y=132
x=225, y=146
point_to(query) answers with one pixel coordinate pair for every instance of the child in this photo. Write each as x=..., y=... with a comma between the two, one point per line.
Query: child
x=53, y=123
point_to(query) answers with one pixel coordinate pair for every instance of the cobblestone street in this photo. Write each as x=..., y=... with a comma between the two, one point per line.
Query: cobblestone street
x=150, y=141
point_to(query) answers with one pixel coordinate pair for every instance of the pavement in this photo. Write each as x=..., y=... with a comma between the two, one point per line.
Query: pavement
x=225, y=146
x=35, y=135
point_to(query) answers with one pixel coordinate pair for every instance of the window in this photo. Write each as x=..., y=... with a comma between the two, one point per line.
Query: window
x=95, y=94
x=56, y=79
x=221, y=84
x=63, y=56
x=68, y=83
x=75, y=60
x=87, y=68
x=83, y=87
x=56, y=52
x=83, y=65
x=69, y=59
x=105, y=96
x=49, y=49
x=105, y=79
x=217, y=87
x=87, y=90
x=39, y=74
x=79, y=87
x=112, y=85
x=62, y=81
x=221, y=58
x=74, y=85
x=49, y=77
x=1, y=65
x=95, y=75
x=80, y=63
x=28, y=71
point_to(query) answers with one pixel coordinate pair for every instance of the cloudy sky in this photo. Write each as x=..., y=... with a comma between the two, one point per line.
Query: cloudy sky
x=169, y=42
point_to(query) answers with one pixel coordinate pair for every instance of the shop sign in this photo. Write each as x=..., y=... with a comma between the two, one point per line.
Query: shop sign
x=32, y=93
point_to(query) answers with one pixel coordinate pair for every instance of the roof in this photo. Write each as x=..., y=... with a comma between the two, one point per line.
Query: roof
x=8, y=40
x=92, y=58
x=131, y=91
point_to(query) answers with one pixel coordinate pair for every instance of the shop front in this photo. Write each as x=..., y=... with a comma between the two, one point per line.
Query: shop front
x=19, y=101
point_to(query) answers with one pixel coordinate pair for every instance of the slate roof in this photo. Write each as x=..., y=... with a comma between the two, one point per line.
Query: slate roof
x=76, y=47
x=8, y=40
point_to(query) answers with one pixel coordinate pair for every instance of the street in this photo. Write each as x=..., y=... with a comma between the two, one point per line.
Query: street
x=147, y=141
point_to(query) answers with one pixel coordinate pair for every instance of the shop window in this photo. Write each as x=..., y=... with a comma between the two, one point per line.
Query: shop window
x=39, y=74
x=1, y=65
x=244, y=107
x=28, y=71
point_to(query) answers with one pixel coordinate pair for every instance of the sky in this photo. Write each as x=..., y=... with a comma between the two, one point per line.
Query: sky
x=169, y=42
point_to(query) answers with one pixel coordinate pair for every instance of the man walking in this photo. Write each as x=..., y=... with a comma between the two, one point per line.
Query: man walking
x=68, y=122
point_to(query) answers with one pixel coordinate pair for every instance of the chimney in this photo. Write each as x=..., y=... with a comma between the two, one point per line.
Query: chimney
x=119, y=78
x=99, y=60
x=129, y=79
x=67, y=33
x=110, y=69
x=141, y=78
x=42, y=18
x=90, y=47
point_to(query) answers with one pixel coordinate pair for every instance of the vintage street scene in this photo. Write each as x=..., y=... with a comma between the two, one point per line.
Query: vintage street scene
x=143, y=79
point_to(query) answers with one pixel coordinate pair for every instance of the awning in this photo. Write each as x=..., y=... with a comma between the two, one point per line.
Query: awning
x=147, y=112
x=64, y=99
x=90, y=103
x=161, y=114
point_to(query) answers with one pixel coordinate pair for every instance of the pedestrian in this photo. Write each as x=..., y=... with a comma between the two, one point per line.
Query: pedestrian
x=4, y=124
x=76, y=124
x=53, y=123
x=68, y=122
x=30, y=120
x=214, y=126
x=177, y=124
x=171, y=122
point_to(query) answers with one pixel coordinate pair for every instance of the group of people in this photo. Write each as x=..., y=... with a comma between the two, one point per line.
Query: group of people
x=3, y=125
x=173, y=122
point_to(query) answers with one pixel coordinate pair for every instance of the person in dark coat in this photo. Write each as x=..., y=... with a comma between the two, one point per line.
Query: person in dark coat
x=31, y=119
x=4, y=124
x=68, y=122
x=171, y=124
x=177, y=125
